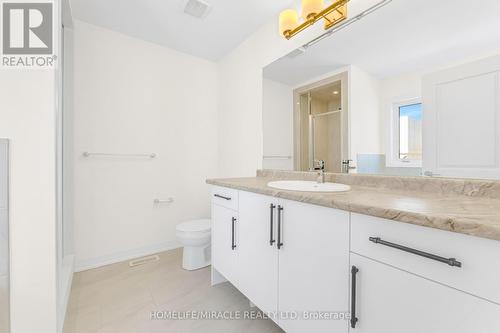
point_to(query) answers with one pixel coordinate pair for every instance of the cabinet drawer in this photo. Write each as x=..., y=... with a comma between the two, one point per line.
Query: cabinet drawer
x=389, y=300
x=225, y=197
x=479, y=273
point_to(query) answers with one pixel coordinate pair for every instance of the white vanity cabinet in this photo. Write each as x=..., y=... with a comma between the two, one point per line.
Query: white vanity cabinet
x=292, y=259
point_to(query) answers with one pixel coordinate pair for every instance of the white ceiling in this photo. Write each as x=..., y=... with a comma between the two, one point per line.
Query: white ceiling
x=164, y=22
x=403, y=36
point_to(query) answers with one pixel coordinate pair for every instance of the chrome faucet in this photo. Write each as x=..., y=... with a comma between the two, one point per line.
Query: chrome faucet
x=320, y=167
x=346, y=166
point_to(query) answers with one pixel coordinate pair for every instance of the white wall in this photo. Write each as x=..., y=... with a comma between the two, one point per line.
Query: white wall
x=28, y=119
x=277, y=114
x=132, y=96
x=364, y=114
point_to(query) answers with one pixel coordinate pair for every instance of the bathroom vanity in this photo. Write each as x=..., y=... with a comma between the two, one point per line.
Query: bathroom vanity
x=391, y=255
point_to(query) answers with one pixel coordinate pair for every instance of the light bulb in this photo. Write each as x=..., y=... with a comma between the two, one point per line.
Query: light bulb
x=311, y=7
x=289, y=20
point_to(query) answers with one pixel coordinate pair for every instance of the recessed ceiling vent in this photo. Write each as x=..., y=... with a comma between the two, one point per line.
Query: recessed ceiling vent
x=197, y=8
x=295, y=53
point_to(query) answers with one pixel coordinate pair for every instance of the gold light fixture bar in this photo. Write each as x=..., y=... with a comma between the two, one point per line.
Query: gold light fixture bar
x=333, y=14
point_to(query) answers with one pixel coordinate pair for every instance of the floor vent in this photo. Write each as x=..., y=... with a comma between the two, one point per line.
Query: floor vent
x=143, y=260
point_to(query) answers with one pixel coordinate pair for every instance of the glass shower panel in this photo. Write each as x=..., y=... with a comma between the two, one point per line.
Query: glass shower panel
x=4, y=239
x=327, y=136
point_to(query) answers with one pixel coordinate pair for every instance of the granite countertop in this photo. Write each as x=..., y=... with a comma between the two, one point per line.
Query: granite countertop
x=464, y=206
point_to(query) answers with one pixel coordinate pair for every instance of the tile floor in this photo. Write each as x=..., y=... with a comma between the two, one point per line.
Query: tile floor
x=117, y=298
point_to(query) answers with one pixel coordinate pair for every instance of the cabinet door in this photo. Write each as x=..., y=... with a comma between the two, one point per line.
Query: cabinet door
x=461, y=123
x=389, y=300
x=313, y=266
x=258, y=256
x=225, y=242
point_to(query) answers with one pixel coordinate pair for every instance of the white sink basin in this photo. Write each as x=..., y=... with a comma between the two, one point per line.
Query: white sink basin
x=308, y=186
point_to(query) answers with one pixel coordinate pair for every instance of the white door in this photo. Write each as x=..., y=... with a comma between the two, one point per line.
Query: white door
x=461, y=122
x=389, y=300
x=225, y=242
x=258, y=255
x=313, y=266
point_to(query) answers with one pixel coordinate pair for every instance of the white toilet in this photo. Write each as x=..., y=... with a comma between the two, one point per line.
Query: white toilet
x=195, y=238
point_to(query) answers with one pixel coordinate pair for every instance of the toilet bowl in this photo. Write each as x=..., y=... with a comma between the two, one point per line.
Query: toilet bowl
x=195, y=236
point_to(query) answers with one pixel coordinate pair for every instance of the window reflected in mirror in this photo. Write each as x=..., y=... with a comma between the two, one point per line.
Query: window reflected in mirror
x=410, y=132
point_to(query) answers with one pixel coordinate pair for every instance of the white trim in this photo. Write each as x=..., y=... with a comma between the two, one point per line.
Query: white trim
x=217, y=277
x=393, y=159
x=82, y=265
x=67, y=281
x=67, y=14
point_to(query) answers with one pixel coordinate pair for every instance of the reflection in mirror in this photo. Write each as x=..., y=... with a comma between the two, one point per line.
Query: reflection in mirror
x=320, y=114
x=392, y=93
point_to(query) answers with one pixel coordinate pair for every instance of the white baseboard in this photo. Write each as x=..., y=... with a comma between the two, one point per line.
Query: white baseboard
x=83, y=265
x=66, y=282
x=217, y=277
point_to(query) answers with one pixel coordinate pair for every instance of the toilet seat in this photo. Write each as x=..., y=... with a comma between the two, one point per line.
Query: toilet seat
x=202, y=225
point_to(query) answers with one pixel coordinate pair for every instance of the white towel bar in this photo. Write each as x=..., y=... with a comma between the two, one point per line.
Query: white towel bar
x=89, y=154
x=277, y=157
x=158, y=201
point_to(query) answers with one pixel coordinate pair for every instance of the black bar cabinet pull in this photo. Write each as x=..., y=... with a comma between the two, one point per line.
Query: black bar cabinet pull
x=354, y=319
x=271, y=222
x=233, y=245
x=222, y=197
x=449, y=261
x=280, y=243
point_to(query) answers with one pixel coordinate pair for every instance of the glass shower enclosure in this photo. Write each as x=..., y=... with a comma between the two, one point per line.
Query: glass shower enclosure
x=4, y=238
x=322, y=127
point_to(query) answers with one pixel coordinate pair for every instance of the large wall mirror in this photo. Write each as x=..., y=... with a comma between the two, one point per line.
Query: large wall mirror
x=410, y=89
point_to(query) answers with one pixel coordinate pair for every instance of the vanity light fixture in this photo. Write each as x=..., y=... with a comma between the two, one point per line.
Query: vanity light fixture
x=312, y=11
